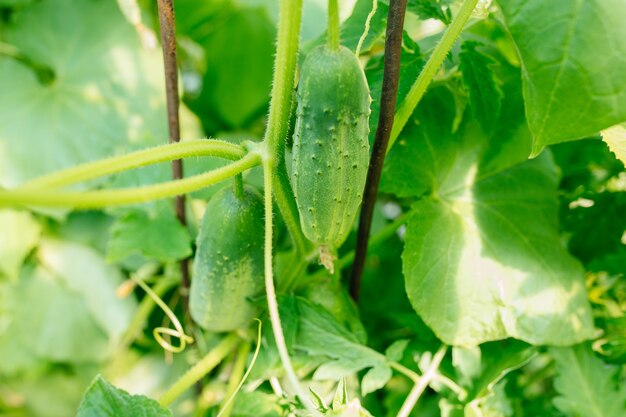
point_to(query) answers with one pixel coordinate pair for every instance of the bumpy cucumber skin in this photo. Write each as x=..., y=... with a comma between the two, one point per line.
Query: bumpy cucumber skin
x=228, y=267
x=331, y=148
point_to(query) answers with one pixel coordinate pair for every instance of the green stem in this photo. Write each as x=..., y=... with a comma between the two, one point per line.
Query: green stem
x=280, y=108
x=333, y=25
x=284, y=74
x=143, y=312
x=105, y=198
x=239, y=186
x=272, y=302
x=164, y=153
x=199, y=370
x=285, y=200
x=406, y=108
x=235, y=376
x=418, y=389
x=413, y=376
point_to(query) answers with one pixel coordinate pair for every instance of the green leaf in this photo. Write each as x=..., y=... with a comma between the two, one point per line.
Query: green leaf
x=48, y=322
x=587, y=387
x=319, y=334
x=86, y=273
x=483, y=259
x=108, y=91
x=104, y=400
x=256, y=404
x=486, y=262
x=20, y=234
x=396, y=350
x=354, y=26
x=375, y=379
x=482, y=84
x=431, y=9
x=572, y=57
x=497, y=359
x=158, y=236
x=495, y=404
x=238, y=44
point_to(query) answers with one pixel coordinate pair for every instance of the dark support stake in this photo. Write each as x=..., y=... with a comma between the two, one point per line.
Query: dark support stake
x=168, y=40
x=391, y=75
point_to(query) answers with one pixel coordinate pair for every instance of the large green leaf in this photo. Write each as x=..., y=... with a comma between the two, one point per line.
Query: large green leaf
x=104, y=400
x=157, y=235
x=486, y=262
x=108, y=91
x=238, y=45
x=572, y=54
x=319, y=334
x=586, y=386
x=86, y=273
x=483, y=258
x=48, y=322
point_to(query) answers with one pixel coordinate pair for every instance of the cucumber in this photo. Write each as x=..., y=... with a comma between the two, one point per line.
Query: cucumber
x=228, y=266
x=331, y=148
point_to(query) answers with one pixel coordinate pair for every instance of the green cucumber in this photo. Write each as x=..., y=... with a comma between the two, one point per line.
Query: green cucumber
x=228, y=266
x=331, y=148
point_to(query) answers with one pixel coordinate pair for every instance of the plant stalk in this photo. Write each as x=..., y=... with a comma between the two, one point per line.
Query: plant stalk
x=280, y=109
x=167, y=25
x=333, y=25
x=132, y=195
x=272, y=302
x=115, y=164
x=418, y=389
x=199, y=370
x=406, y=108
x=391, y=76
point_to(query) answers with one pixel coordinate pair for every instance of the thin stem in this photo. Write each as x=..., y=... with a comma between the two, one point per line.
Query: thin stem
x=112, y=165
x=333, y=25
x=406, y=108
x=236, y=375
x=226, y=406
x=199, y=370
x=280, y=108
x=167, y=25
x=367, y=28
x=391, y=76
x=420, y=386
x=272, y=303
x=239, y=186
x=143, y=312
x=412, y=375
x=133, y=195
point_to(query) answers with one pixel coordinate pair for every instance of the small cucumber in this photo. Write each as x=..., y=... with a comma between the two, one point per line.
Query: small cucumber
x=331, y=148
x=228, y=266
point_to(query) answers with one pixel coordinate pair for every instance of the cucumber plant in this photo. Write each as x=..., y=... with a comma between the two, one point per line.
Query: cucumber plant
x=494, y=284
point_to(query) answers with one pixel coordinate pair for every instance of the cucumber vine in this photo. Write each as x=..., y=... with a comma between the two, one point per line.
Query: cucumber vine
x=49, y=190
